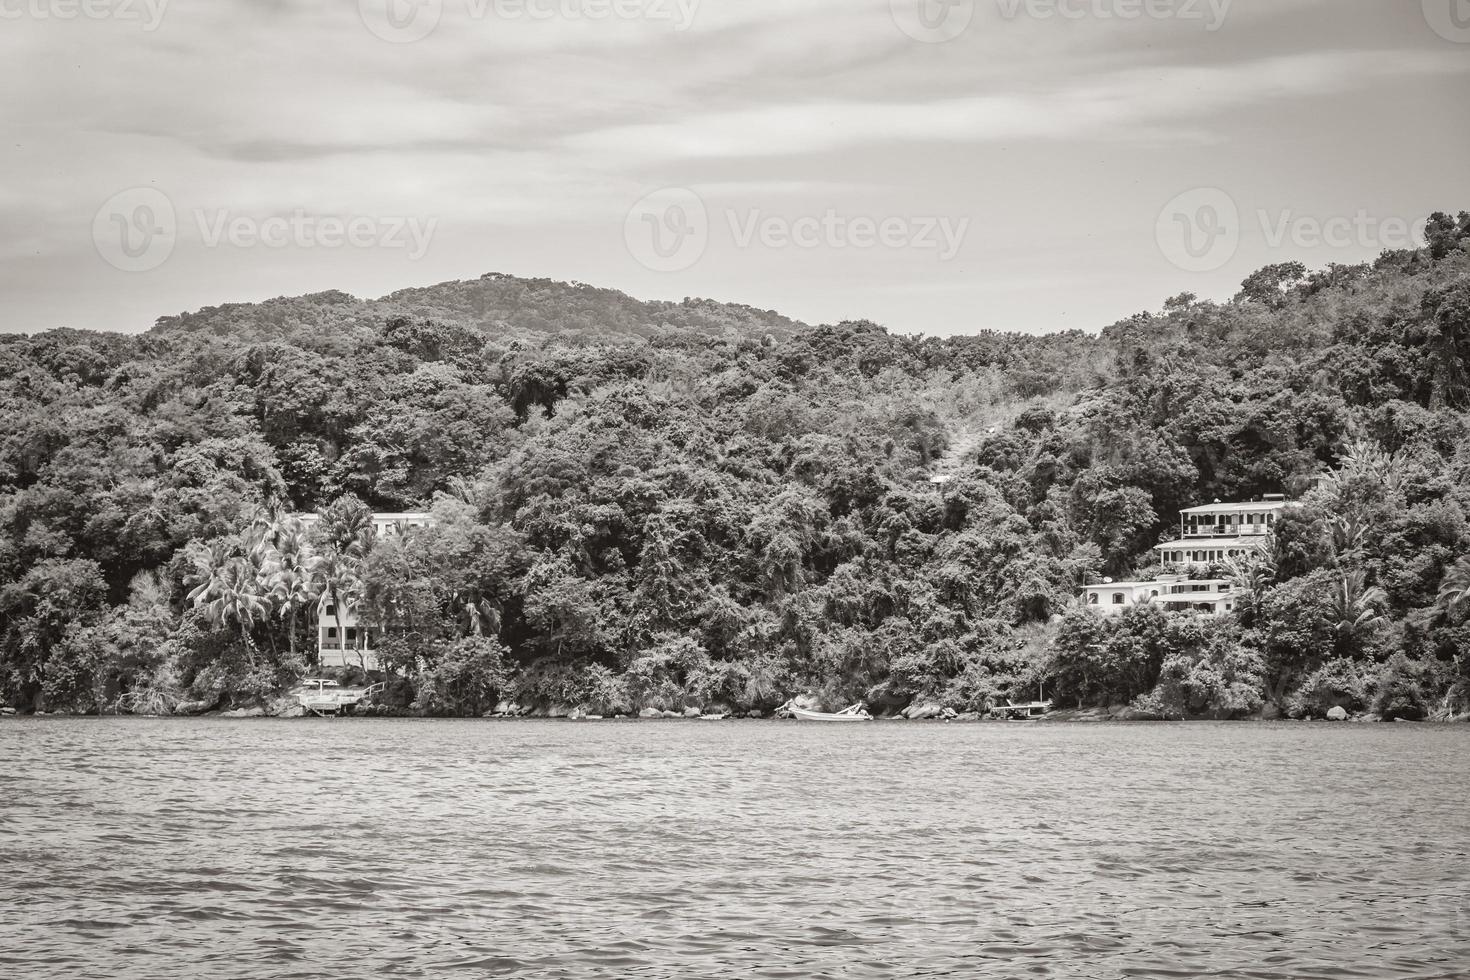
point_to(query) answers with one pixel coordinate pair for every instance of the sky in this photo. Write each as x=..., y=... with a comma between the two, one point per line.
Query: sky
x=937, y=166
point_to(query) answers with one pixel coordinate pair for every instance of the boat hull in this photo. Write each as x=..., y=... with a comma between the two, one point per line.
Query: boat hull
x=801, y=714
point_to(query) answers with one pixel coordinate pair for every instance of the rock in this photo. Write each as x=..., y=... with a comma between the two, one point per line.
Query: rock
x=754, y=713
x=919, y=712
x=577, y=714
x=245, y=713
x=558, y=711
x=501, y=708
x=968, y=716
x=650, y=713
x=1338, y=713
x=192, y=707
x=673, y=714
x=294, y=711
x=1270, y=712
x=949, y=714
x=7, y=712
x=692, y=712
x=512, y=709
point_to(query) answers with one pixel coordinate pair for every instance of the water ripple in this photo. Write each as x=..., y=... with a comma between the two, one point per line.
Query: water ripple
x=134, y=848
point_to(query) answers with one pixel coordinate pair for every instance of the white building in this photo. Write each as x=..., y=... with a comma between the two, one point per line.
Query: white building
x=1172, y=593
x=1208, y=535
x=341, y=640
x=1217, y=532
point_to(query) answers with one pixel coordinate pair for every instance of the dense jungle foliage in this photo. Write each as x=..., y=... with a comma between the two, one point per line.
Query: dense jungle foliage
x=657, y=504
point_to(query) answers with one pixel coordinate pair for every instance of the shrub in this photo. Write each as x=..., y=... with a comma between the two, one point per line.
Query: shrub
x=1336, y=684
x=1398, y=691
x=465, y=679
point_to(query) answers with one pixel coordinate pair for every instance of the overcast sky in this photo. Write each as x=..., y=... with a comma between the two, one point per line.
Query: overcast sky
x=1006, y=164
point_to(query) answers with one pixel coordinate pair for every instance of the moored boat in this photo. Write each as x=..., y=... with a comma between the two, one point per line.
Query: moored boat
x=855, y=713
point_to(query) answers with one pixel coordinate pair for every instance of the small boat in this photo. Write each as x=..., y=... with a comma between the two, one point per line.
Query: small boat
x=855, y=713
x=1021, y=712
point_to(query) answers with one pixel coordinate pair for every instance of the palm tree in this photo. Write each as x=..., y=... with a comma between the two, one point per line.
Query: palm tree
x=347, y=527
x=229, y=592
x=1356, y=610
x=340, y=580
x=1454, y=591
x=293, y=576
x=1251, y=577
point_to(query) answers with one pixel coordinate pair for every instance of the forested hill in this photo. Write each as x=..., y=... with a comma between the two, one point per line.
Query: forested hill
x=661, y=505
x=499, y=307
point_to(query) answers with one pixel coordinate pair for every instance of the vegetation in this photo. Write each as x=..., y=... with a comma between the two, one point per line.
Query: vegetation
x=671, y=505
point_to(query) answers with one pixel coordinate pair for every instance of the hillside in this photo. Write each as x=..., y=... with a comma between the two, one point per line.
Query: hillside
x=499, y=307
x=652, y=504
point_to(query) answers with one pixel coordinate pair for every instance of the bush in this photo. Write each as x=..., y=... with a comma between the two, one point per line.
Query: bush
x=1336, y=684
x=466, y=678
x=578, y=684
x=1209, y=674
x=1398, y=691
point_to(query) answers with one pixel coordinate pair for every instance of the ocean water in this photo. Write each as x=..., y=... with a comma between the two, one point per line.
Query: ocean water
x=385, y=848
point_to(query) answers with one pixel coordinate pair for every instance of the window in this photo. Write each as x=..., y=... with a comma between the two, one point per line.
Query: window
x=331, y=609
x=331, y=632
x=1119, y=598
x=351, y=634
x=1092, y=598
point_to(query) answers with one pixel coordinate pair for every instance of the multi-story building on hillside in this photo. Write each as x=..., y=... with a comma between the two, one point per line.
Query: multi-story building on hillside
x=1171, y=593
x=1217, y=532
x=341, y=640
x=1208, y=535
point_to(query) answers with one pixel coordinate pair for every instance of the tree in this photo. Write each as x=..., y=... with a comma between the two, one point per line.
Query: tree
x=1454, y=591
x=228, y=592
x=1356, y=612
x=293, y=575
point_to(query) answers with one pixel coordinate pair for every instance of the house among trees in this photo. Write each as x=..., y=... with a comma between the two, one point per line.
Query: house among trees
x=341, y=640
x=1217, y=532
x=1208, y=535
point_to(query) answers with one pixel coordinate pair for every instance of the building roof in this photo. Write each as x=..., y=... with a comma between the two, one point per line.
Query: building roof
x=1160, y=584
x=377, y=517
x=1240, y=507
x=1213, y=543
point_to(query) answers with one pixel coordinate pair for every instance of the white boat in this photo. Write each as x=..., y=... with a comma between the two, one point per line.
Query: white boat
x=321, y=696
x=855, y=713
